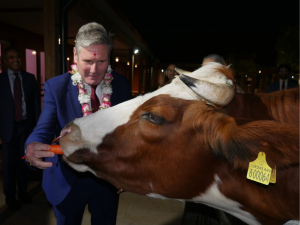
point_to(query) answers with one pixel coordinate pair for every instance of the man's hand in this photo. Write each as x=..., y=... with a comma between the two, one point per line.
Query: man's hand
x=36, y=151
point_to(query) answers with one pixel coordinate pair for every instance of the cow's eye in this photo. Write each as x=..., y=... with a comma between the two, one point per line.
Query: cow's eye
x=153, y=118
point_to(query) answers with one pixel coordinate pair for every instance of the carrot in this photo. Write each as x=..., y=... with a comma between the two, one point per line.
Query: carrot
x=56, y=149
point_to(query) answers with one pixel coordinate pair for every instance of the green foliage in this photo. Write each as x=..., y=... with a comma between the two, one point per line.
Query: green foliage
x=287, y=46
x=243, y=63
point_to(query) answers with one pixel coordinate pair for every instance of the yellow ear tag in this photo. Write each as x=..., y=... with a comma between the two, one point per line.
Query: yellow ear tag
x=259, y=169
x=273, y=176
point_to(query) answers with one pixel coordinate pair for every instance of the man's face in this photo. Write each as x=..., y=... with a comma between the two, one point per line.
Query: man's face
x=92, y=63
x=170, y=72
x=283, y=73
x=13, y=60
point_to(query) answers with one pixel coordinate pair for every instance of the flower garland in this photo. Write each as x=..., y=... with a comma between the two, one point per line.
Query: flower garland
x=84, y=98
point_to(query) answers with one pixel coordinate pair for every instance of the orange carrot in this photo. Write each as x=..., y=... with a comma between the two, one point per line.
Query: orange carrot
x=56, y=149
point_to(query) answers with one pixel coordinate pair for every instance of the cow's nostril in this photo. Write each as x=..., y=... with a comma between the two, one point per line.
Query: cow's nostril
x=64, y=132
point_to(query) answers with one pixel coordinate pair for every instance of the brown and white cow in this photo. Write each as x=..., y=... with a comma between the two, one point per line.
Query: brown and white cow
x=193, y=140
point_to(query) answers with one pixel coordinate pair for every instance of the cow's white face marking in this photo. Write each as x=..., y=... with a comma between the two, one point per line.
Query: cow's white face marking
x=213, y=197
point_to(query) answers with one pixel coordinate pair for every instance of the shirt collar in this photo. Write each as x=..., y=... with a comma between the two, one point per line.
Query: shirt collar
x=87, y=86
x=10, y=72
x=281, y=80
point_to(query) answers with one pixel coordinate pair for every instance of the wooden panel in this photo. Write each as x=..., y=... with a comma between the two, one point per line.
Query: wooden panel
x=50, y=39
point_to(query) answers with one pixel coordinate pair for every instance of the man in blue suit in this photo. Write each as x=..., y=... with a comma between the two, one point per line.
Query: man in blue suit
x=284, y=82
x=67, y=190
x=19, y=100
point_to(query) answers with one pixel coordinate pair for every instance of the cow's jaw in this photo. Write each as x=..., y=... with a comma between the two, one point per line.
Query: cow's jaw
x=78, y=167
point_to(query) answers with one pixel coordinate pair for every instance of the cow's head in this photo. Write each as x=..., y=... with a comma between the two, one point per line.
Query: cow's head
x=132, y=144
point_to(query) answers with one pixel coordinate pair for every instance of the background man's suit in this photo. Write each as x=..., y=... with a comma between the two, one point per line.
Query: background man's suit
x=60, y=106
x=275, y=86
x=11, y=152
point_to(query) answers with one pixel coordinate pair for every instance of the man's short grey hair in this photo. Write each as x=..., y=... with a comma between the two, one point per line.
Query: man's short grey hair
x=93, y=34
x=216, y=58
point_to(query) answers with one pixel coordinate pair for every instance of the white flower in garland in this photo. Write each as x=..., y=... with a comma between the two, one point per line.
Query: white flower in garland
x=76, y=78
x=106, y=89
x=84, y=98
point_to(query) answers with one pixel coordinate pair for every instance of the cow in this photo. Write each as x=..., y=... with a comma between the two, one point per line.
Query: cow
x=193, y=140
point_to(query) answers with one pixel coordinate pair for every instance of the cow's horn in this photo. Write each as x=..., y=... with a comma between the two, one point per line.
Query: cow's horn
x=219, y=94
x=180, y=71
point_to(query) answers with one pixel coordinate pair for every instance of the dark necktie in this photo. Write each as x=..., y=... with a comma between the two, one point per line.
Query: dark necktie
x=94, y=99
x=283, y=85
x=17, y=98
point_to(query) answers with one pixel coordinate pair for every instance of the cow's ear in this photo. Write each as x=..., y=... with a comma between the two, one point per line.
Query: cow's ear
x=219, y=94
x=180, y=71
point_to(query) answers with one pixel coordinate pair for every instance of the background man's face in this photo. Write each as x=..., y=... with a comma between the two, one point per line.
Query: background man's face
x=92, y=63
x=13, y=60
x=283, y=73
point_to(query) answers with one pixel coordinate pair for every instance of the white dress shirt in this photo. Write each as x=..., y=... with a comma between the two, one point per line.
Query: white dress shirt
x=98, y=91
x=285, y=84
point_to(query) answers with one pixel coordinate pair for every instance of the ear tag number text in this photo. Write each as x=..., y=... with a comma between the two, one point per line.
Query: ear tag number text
x=259, y=170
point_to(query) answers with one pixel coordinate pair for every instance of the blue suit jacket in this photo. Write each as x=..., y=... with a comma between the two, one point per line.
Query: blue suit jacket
x=60, y=106
x=275, y=86
x=7, y=104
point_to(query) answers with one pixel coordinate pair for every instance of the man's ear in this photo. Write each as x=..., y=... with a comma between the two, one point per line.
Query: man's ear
x=75, y=55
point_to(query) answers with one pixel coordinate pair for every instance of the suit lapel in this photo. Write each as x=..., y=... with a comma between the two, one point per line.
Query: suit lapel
x=74, y=104
x=6, y=86
x=113, y=98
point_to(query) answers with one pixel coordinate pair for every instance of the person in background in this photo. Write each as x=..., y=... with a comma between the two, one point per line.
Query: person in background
x=169, y=75
x=67, y=190
x=284, y=82
x=20, y=110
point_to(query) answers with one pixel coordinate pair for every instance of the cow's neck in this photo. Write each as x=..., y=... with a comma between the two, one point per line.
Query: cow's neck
x=243, y=105
x=273, y=106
